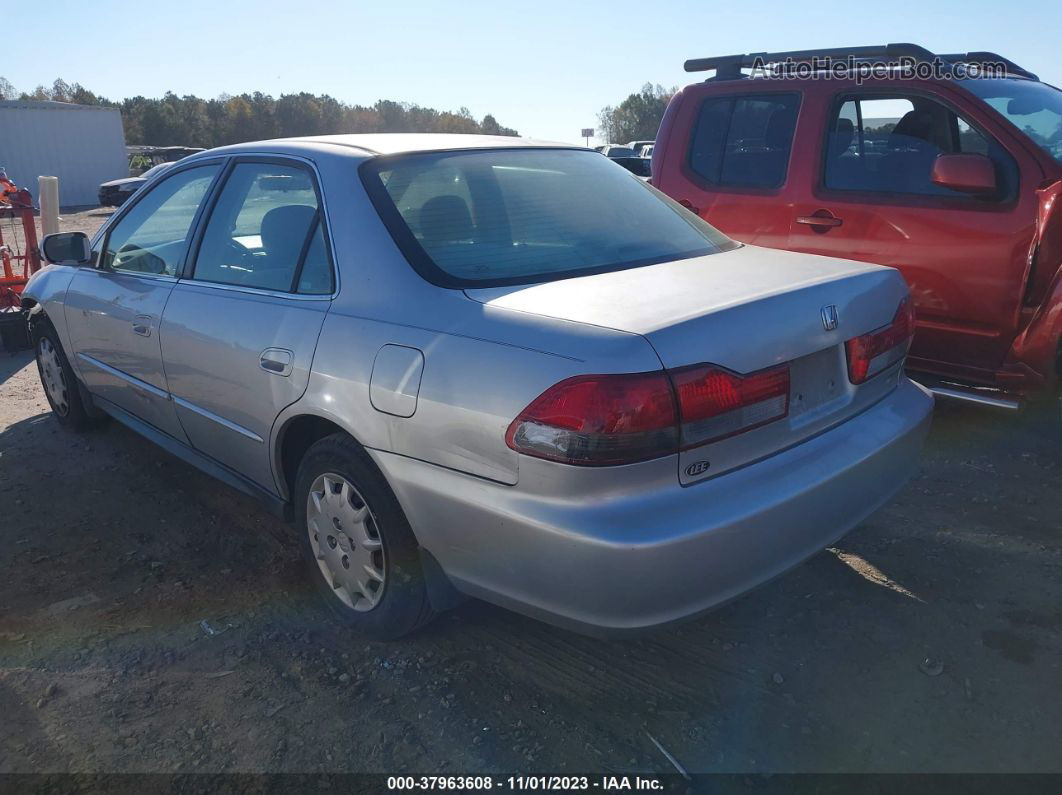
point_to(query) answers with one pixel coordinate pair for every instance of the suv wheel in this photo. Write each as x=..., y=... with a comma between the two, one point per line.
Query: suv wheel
x=59, y=381
x=357, y=542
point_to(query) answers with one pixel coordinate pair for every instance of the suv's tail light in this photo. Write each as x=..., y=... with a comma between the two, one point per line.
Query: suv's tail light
x=596, y=420
x=599, y=419
x=871, y=353
x=714, y=403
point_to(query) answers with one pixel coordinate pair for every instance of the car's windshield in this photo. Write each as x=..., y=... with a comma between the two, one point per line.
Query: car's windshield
x=1034, y=108
x=515, y=216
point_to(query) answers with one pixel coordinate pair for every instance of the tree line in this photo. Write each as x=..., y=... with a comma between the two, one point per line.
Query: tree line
x=192, y=121
x=636, y=118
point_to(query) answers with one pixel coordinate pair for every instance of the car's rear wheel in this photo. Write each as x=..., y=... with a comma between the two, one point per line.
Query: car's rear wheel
x=359, y=548
x=58, y=379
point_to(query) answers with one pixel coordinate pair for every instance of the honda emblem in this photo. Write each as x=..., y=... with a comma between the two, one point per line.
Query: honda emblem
x=829, y=317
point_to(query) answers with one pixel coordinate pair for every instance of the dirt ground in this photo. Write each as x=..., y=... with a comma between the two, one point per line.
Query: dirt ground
x=151, y=619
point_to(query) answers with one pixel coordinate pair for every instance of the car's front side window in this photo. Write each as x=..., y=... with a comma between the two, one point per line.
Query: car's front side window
x=151, y=237
x=264, y=231
x=884, y=144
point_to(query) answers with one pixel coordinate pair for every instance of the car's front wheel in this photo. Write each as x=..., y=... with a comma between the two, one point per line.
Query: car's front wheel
x=358, y=545
x=58, y=379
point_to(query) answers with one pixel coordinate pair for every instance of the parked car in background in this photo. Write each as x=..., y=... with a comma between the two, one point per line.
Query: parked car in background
x=646, y=151
x=612, y=150
x=115, y=192
x=477, y=365
x=638, y=146
x=641, y=167
x=954, y=181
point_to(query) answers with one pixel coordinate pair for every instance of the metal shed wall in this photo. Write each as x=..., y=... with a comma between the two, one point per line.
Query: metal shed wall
x=83, y=145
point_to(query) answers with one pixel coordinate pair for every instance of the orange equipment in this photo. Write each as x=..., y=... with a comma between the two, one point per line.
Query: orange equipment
x=18, y=262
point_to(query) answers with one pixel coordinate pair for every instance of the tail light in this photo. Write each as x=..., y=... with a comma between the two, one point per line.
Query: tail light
x=596, y=420
x=599, y=420
x=714, y=403
x=871, y=353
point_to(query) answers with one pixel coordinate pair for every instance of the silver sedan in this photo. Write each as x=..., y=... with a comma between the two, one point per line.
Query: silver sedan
x=471, y=365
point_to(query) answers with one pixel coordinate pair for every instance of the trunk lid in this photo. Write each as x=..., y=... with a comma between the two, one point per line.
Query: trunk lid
x=744, y=310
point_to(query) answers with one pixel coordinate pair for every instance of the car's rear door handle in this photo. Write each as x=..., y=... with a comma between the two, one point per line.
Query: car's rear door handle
x=142, y=325
x=276, y=361
x=819, y=220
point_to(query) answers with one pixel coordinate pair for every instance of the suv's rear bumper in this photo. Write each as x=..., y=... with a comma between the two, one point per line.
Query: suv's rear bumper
x=626, y=562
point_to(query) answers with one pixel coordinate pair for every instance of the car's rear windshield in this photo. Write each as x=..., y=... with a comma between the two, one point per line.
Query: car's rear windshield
x=493, y=217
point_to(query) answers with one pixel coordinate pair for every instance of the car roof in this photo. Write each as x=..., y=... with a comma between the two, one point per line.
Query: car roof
x=388, y=143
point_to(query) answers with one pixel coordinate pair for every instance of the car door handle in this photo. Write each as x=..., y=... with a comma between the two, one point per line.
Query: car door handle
x=819, y=220
x=276, y=361
x=142, y=325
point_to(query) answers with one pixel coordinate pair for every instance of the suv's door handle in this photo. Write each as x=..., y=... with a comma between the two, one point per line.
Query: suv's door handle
x=819, y=220
x=276, y=360
x=142, y=325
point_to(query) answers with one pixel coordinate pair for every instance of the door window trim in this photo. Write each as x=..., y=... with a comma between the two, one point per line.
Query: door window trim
x=706, y=185
x=104, y=234
x=186, y=274
x=821, y=190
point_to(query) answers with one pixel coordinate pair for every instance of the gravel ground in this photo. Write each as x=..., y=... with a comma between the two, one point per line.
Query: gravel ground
x=151, y=619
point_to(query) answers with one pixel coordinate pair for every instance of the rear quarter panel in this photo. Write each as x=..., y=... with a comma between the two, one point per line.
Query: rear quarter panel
x=474, y=382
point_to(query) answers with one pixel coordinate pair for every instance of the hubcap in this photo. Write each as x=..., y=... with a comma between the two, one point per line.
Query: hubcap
x=346, y=541
x=52, y=374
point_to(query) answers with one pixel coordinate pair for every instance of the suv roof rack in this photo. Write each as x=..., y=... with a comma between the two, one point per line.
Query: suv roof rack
x=728, y=67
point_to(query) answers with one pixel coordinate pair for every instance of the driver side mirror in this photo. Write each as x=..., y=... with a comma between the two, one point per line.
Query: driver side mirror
x=67, y=248
x=969, y=173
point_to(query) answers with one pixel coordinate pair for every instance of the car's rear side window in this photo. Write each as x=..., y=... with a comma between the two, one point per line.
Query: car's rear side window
x=265, y=232
x=744, y=141
x=514, y=216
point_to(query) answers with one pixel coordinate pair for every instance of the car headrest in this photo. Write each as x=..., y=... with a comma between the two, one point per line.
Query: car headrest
x=284, y=230
x=445, y=219
x=841, y=137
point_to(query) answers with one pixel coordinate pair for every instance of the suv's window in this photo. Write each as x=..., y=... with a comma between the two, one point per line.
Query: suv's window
x=262, y=229
x=151, y=237
x=515, y=216
x=889, y=144
x=744, y=141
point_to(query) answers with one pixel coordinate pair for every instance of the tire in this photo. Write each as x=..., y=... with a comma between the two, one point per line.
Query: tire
x=58, y=379
x=358, y=546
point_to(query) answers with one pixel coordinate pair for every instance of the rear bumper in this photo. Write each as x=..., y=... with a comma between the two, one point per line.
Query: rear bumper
x=630, y=561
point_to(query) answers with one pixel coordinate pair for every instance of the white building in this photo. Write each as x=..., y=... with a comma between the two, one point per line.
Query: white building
x=83, y=145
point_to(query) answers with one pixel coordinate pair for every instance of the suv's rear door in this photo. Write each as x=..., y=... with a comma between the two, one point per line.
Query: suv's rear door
x=964, y=256
x=241, y=326
x=727, y=158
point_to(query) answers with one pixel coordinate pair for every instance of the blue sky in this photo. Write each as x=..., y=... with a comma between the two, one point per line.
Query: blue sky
x=545, y=68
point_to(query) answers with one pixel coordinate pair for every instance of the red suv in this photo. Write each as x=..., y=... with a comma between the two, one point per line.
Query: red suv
x=947, y=167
